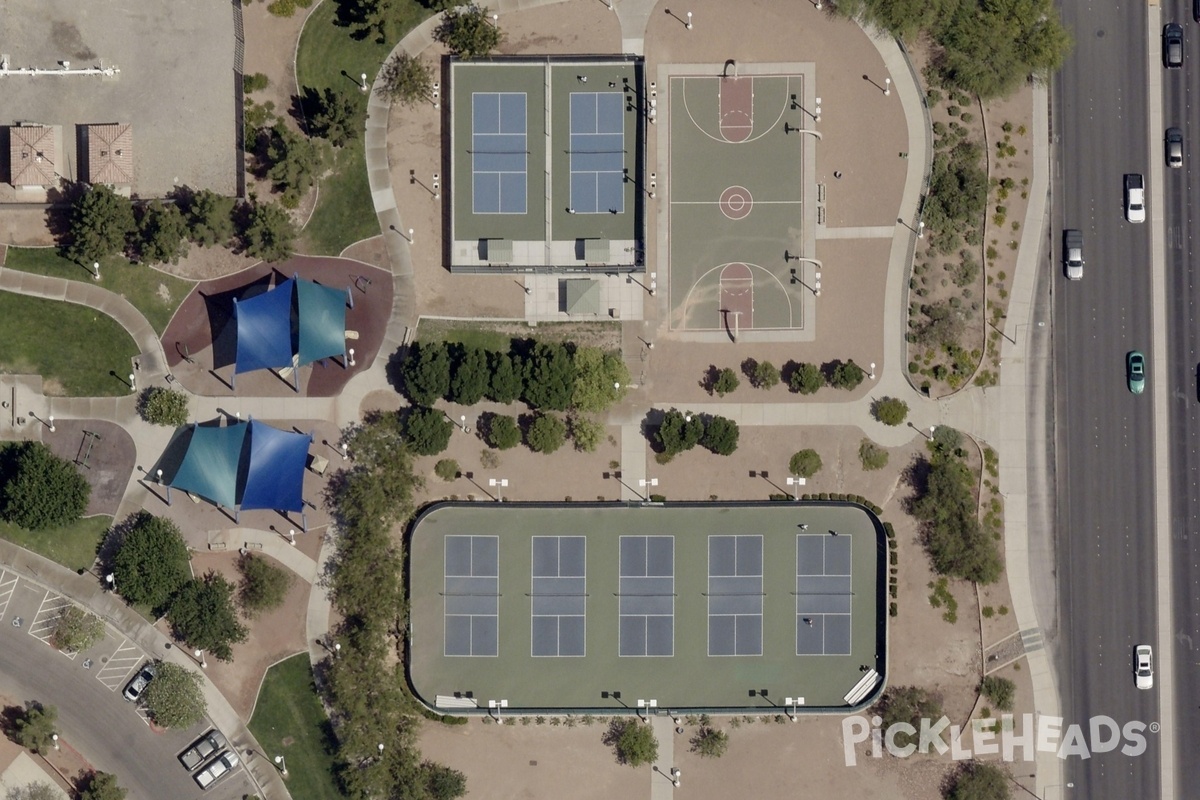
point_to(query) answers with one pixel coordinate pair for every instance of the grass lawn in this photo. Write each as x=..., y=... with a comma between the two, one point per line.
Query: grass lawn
x=154, y=293
x=72, y=347
x=330, y=56
x=73, y=546
x=288, y=708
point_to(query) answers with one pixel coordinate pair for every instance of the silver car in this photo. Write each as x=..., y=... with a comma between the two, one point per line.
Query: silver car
x=1174, y=147
x=225, y=763
x=140, y=681
x=202, y=750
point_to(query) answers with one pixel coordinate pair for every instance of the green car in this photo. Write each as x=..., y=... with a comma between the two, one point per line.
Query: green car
x=1135, y=371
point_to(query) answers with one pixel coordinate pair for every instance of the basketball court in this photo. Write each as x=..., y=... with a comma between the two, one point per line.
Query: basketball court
x=591, y=607
x=742, y=203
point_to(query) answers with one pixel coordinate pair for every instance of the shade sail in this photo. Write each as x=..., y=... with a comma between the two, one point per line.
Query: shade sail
x=264, y=329
x=210, y=465
x=322, y=321
x=275, y=478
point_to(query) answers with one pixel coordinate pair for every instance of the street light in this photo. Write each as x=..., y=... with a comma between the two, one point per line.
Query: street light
x=497, y=705
x=500, y=483
x=364, y=82
x=675, y=773
x=282, y=765
x=380, y=746
x=132, y=382
x=200, y=657
x=292, y=537
x=793, y=702
x=51, y=423
x=95, y=270
x=337, y=649
x=796, y=483
x=352, y=357
x=54, y=736
x=111, y=580
x=872, y=373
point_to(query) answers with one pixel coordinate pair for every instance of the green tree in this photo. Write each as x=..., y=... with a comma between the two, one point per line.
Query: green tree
x=679, y=432
x=152, y=562
x=269, y=234
x=468, y=32
x=720, y=436
x=446, y=469
x=203, y=615
x=946, y=439
x=35, y=729
x=426, y=372
x=805, y=463
x=872, y=456
x=710, y=742
x=264, y=584
x=977, y=780
x=550, y=377
x=337, y=116
x=44, y=491
x=546, y=433
x=380, y=484
x=442, y=783
x=427, y=431
x=102, y=786
x=764, y=375
x=726, y=382
x=846, y=375
x=294, y=163
x=587, y=433
x=254, y=83
x=503, y=432
x=406, y=80
x=471, y=379
x=957, y=188
x=76, y=630
x=633, y=741
x=382, y=19
x=162, y=405
x=890, y=410
x=601, y=379
x=210, y=218
x=162, y=231
x=806, y=378
x=1000, y=691
x=507, y=384
x=955, y=541
x=174, y=697
x=101, y=224
x=908, y=704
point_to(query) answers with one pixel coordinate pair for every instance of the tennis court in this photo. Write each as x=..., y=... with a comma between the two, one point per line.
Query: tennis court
x=742, y=206
x=547, y=158
x=592, y=607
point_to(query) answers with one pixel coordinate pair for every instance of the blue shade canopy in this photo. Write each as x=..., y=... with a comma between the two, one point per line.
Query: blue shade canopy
x=210, y=465
x=322, y=321
x=264, y=329
x=275, y=478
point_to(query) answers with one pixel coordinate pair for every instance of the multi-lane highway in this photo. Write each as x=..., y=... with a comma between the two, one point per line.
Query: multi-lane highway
x=1104, y=443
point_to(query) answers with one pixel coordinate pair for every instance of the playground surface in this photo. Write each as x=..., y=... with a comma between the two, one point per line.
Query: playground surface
x=605, y=607
x=742, y=210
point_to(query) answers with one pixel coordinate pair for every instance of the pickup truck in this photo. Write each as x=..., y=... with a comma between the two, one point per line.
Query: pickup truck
x=1073, y=253
x=1135, y=197
x=218, y=769
x=204, y=747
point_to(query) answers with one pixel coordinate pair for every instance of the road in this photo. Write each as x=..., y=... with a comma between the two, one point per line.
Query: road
x=1183, y=289
x=94, y=718
x=1105, y=477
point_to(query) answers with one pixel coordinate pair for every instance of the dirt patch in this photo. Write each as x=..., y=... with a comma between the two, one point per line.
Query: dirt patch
x=110, y=457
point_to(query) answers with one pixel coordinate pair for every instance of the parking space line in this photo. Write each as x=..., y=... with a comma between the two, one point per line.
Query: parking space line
x=8, y=582
x=119, y=665
x=45, y=621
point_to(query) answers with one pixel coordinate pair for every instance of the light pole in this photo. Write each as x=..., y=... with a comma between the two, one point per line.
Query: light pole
x=675, y=773
x=647, y=704
x=352, y=363
x=647, y=483
x=51, y=420
x=887, y=86
x=499, y=483
x=462, y=418
x=199, y=654
x=132, y=382
x=921, y=229
x=292, y=536
x=689, y=20
x=282, y=765
x=497, y=705
x=793, y=702
x=796, y=483
x=111, y=580
x=343, y=451
x=54, y=736
x=871, y=374
x=337, y=649
x=380, y=746
x=364, y=82
x=95, y=270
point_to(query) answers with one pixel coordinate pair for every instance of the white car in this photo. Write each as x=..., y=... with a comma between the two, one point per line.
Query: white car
x=200, y=752
x=1143, y=666
x=1135, y=197
x=225, y=763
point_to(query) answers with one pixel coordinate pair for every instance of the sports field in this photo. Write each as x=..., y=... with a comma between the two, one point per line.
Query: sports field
x=741, y=207
x=694, y=606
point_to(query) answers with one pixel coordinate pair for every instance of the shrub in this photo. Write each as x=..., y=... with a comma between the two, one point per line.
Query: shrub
x=587, y=433
x=503, y=432
x=710, y=742
x=161, y=405
x=765, y=375
x=76, y=630
x=427, y=431
x=845, y=375
x=890, y=410
x=103, y=786
x=35, y=729
x=806, y=379
x=446, y=469
x=44, y=491
x=633, y=741
x=976, y=780
x=805, y=463
x=721, y=436
x=255, y=82
x=264, y=585
x=872, y=456
x=907, y=704
x=546, y=433
x=726, y=382
x=999, y=691
x=467, y=31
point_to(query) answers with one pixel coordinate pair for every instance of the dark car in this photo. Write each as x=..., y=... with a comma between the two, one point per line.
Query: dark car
x=1135, y=371
x=1173, y=45
x=1196, y=10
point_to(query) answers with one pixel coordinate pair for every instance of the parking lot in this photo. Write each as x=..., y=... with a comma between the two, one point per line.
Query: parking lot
x=86, y=688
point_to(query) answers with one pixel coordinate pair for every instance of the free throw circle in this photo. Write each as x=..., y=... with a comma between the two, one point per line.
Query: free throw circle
x=736, y=202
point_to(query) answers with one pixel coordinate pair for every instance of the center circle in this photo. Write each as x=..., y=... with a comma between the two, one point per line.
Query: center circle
x=736, y=202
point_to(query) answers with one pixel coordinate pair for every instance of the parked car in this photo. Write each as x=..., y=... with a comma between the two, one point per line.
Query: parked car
x=202, y=749
x=1135, y=371
x=1174, y=147
x=222, y=766
x=1173, y=45
x=140, y=681
x=1143, y=666
x=1073, y=253
x=1135, y=197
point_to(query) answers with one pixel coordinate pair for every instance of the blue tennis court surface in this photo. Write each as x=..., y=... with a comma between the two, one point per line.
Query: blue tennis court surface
x=499, y=152
x=597, y=152
x=735, y=595
x=558, y=607
x=824, y=595
x=472, y=596
x=647, y=596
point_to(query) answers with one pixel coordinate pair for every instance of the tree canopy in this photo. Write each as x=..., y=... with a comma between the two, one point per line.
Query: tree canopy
x=264, y=584
x=102, y=786
x=549, y=377
x=601, y=379
x=174, y=697
x=503, y=433
x=507, y=381
x=101, y=223
x=269, y=233
x=210, y=218
x=152, y=562
x=633, y=741
x=471, y=379
x=955, y=541
x=977, y=780
x=35, y=729
x=806, y=378
x=720, y=436
x=406, y=80
x=76, y=630
x=890, y=410
x=337, y=116
x=43, y=491
x=203, y=615
x=679, y=432
x=468, y=31
x=427, y=431
x=426, y=372
x=162, y=233
x=805, y=463
x=546, y=433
